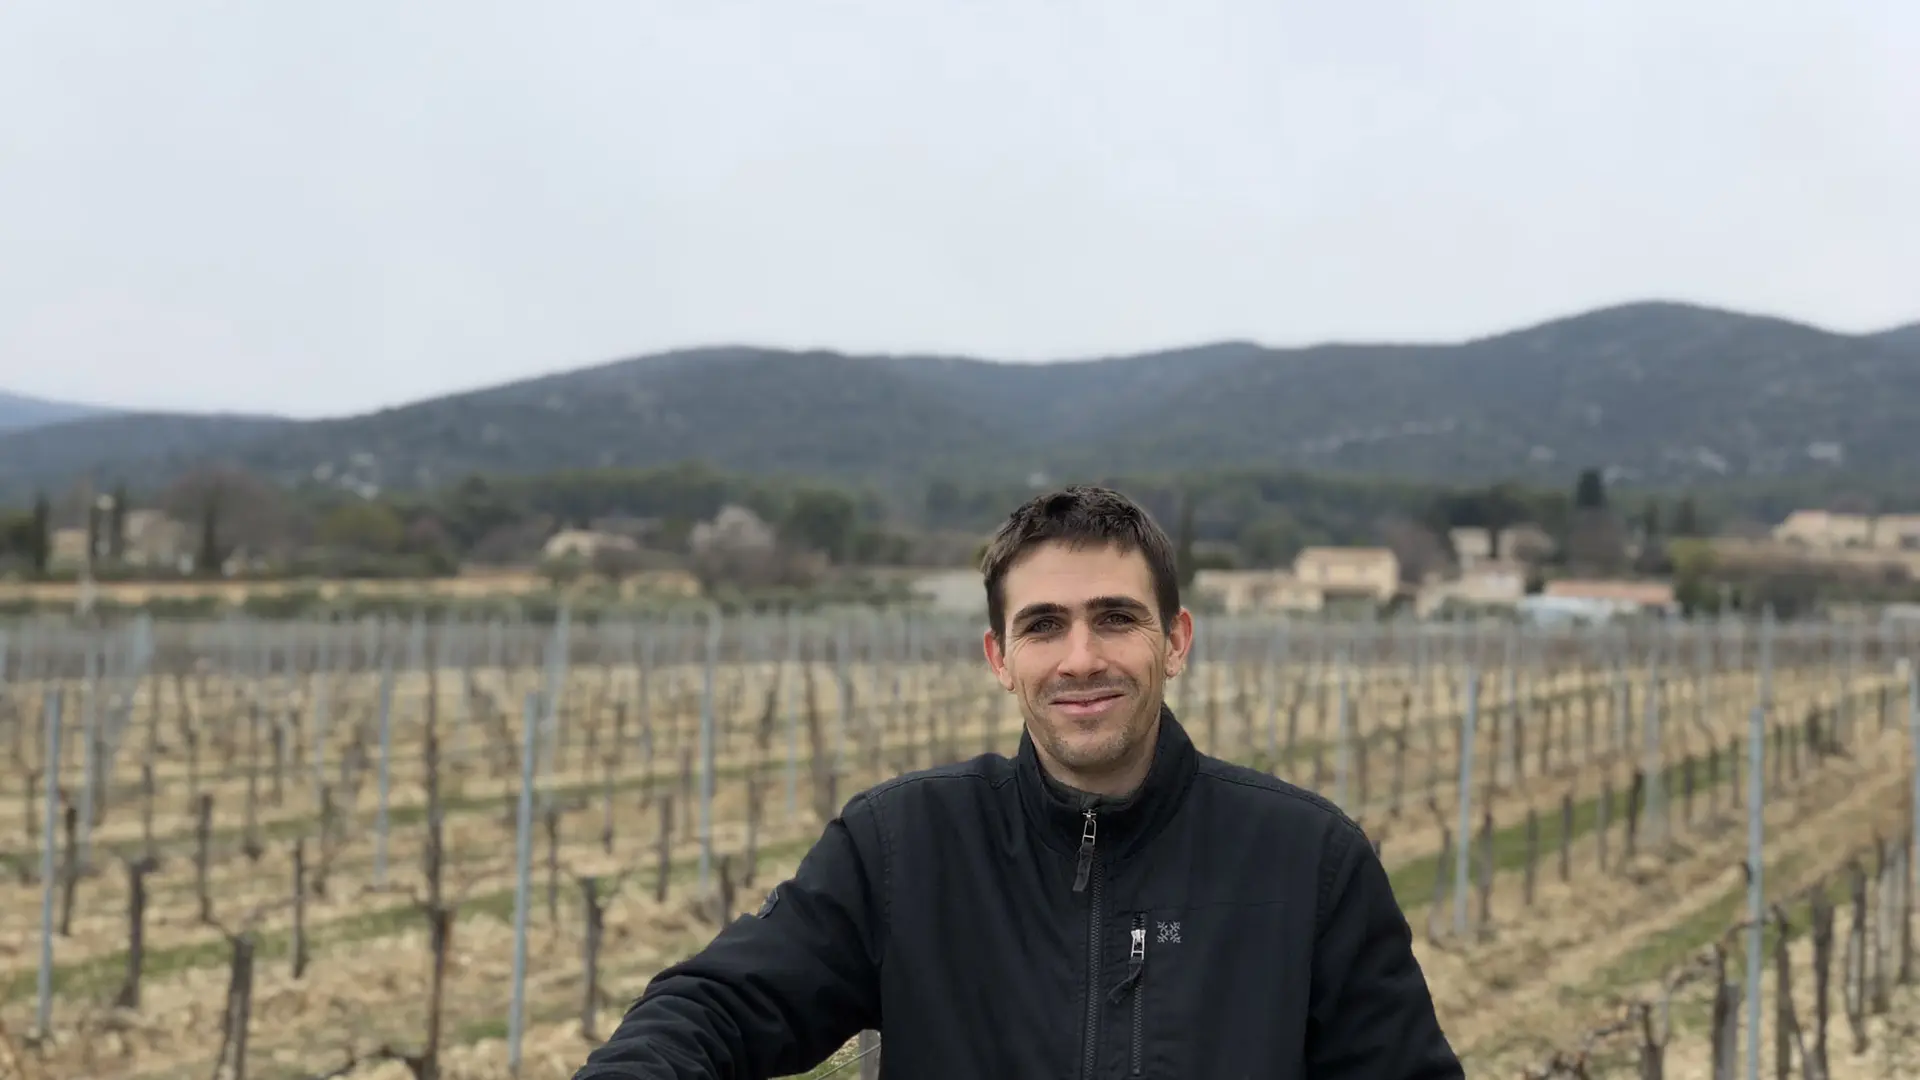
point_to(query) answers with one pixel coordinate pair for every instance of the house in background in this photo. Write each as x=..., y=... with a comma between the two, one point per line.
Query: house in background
x=585, y=544
x=1527, y=543
x=1897, y=532
x=1489, y=585
x=151, y=540
x=1246, y=592
x=1824, y=530
x=1473, y=546
x=1350, y=573
x=154, y=539
x=1605, y=598
x=1321, y=578
x=67, y=548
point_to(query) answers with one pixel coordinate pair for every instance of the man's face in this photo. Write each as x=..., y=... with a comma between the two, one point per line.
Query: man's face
x=1087, y=656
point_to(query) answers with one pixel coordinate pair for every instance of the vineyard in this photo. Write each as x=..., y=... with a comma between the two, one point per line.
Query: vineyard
x=393, y=849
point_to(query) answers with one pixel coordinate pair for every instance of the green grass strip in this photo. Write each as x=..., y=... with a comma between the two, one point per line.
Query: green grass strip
x=1413, y=881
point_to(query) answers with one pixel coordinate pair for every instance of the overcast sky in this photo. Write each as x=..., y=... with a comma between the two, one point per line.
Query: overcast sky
x=322, y=208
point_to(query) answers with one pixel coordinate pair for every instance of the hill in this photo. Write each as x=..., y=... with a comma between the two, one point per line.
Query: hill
x=144, y=450
x=1658, y=392
x=18, y=412
x=1901, y=337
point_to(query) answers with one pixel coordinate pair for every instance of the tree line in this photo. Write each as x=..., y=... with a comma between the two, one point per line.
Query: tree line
x=228, y=521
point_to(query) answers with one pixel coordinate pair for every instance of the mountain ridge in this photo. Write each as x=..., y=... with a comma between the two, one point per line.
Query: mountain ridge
x=21, y=411
x=1660, y=391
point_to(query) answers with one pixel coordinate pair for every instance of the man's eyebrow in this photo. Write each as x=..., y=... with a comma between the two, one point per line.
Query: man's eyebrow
x=1034, y=611
x=1097, y=604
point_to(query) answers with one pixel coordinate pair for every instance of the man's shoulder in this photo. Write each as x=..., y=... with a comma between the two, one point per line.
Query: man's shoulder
x=1288, y=818
x=1240, y=789
x=976, y=776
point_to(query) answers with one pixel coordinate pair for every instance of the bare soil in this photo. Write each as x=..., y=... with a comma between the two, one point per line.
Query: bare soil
x=1550, y=969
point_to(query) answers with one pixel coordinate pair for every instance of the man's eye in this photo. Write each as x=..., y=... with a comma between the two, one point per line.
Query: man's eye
x=1117, y=618
x=1040, y=626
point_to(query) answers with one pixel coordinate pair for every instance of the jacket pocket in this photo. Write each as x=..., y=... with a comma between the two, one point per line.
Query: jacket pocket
x=1133, y=984
x=1228, y=993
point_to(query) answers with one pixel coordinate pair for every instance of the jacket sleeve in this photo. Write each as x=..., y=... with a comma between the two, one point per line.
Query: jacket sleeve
x=775, y=993
x=1371, y=1014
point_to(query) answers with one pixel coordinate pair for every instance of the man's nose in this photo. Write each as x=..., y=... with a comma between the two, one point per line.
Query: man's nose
x=1083, y=656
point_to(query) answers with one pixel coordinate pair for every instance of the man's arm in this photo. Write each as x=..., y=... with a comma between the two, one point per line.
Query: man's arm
x=1371, y=1013
x=773, y=994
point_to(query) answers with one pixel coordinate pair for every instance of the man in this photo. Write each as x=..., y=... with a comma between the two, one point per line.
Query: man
x=1108, y=903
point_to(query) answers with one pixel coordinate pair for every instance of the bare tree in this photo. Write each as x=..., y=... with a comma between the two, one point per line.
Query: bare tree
x=246, y=511
x=1418, y=549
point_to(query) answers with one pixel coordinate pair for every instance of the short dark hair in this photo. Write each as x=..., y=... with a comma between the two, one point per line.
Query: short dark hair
x=1080, y=516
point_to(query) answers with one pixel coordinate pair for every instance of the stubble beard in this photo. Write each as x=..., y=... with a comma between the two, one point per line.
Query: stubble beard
x=1110, y=748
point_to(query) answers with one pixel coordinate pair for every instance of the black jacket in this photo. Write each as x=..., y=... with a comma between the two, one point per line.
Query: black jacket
x=1240, y=927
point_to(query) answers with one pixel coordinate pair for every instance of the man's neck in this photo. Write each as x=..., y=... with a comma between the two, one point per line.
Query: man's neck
x=1079, y=796
x=1117, y=786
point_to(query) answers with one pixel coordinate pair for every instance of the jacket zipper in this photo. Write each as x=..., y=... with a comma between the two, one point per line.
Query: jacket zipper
x=1087, y=874
x=1136, y=968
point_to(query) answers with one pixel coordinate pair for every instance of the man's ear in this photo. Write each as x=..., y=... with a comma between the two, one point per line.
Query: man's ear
x=1179, y=642
x=997, y=660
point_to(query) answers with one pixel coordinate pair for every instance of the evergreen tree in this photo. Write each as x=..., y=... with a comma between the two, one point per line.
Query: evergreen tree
x=42, y=550
x=117, y=524
x=1686, y=518
x=1183, y=545
x=1590, y=493
x=209, y=561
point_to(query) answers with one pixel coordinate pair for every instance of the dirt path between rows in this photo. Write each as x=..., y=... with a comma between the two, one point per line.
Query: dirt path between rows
x=1529, y=982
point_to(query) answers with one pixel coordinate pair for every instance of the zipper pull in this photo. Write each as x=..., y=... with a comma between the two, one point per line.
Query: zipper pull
x=1136, y=960
x=1085, y=870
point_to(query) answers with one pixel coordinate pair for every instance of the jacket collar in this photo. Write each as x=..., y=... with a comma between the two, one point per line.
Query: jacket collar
x=1059, y=814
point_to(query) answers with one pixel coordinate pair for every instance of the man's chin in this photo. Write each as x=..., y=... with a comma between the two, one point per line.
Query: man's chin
x=1092, y=751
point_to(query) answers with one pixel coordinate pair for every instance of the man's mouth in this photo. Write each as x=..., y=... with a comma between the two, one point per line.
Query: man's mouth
x=1087, y=704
